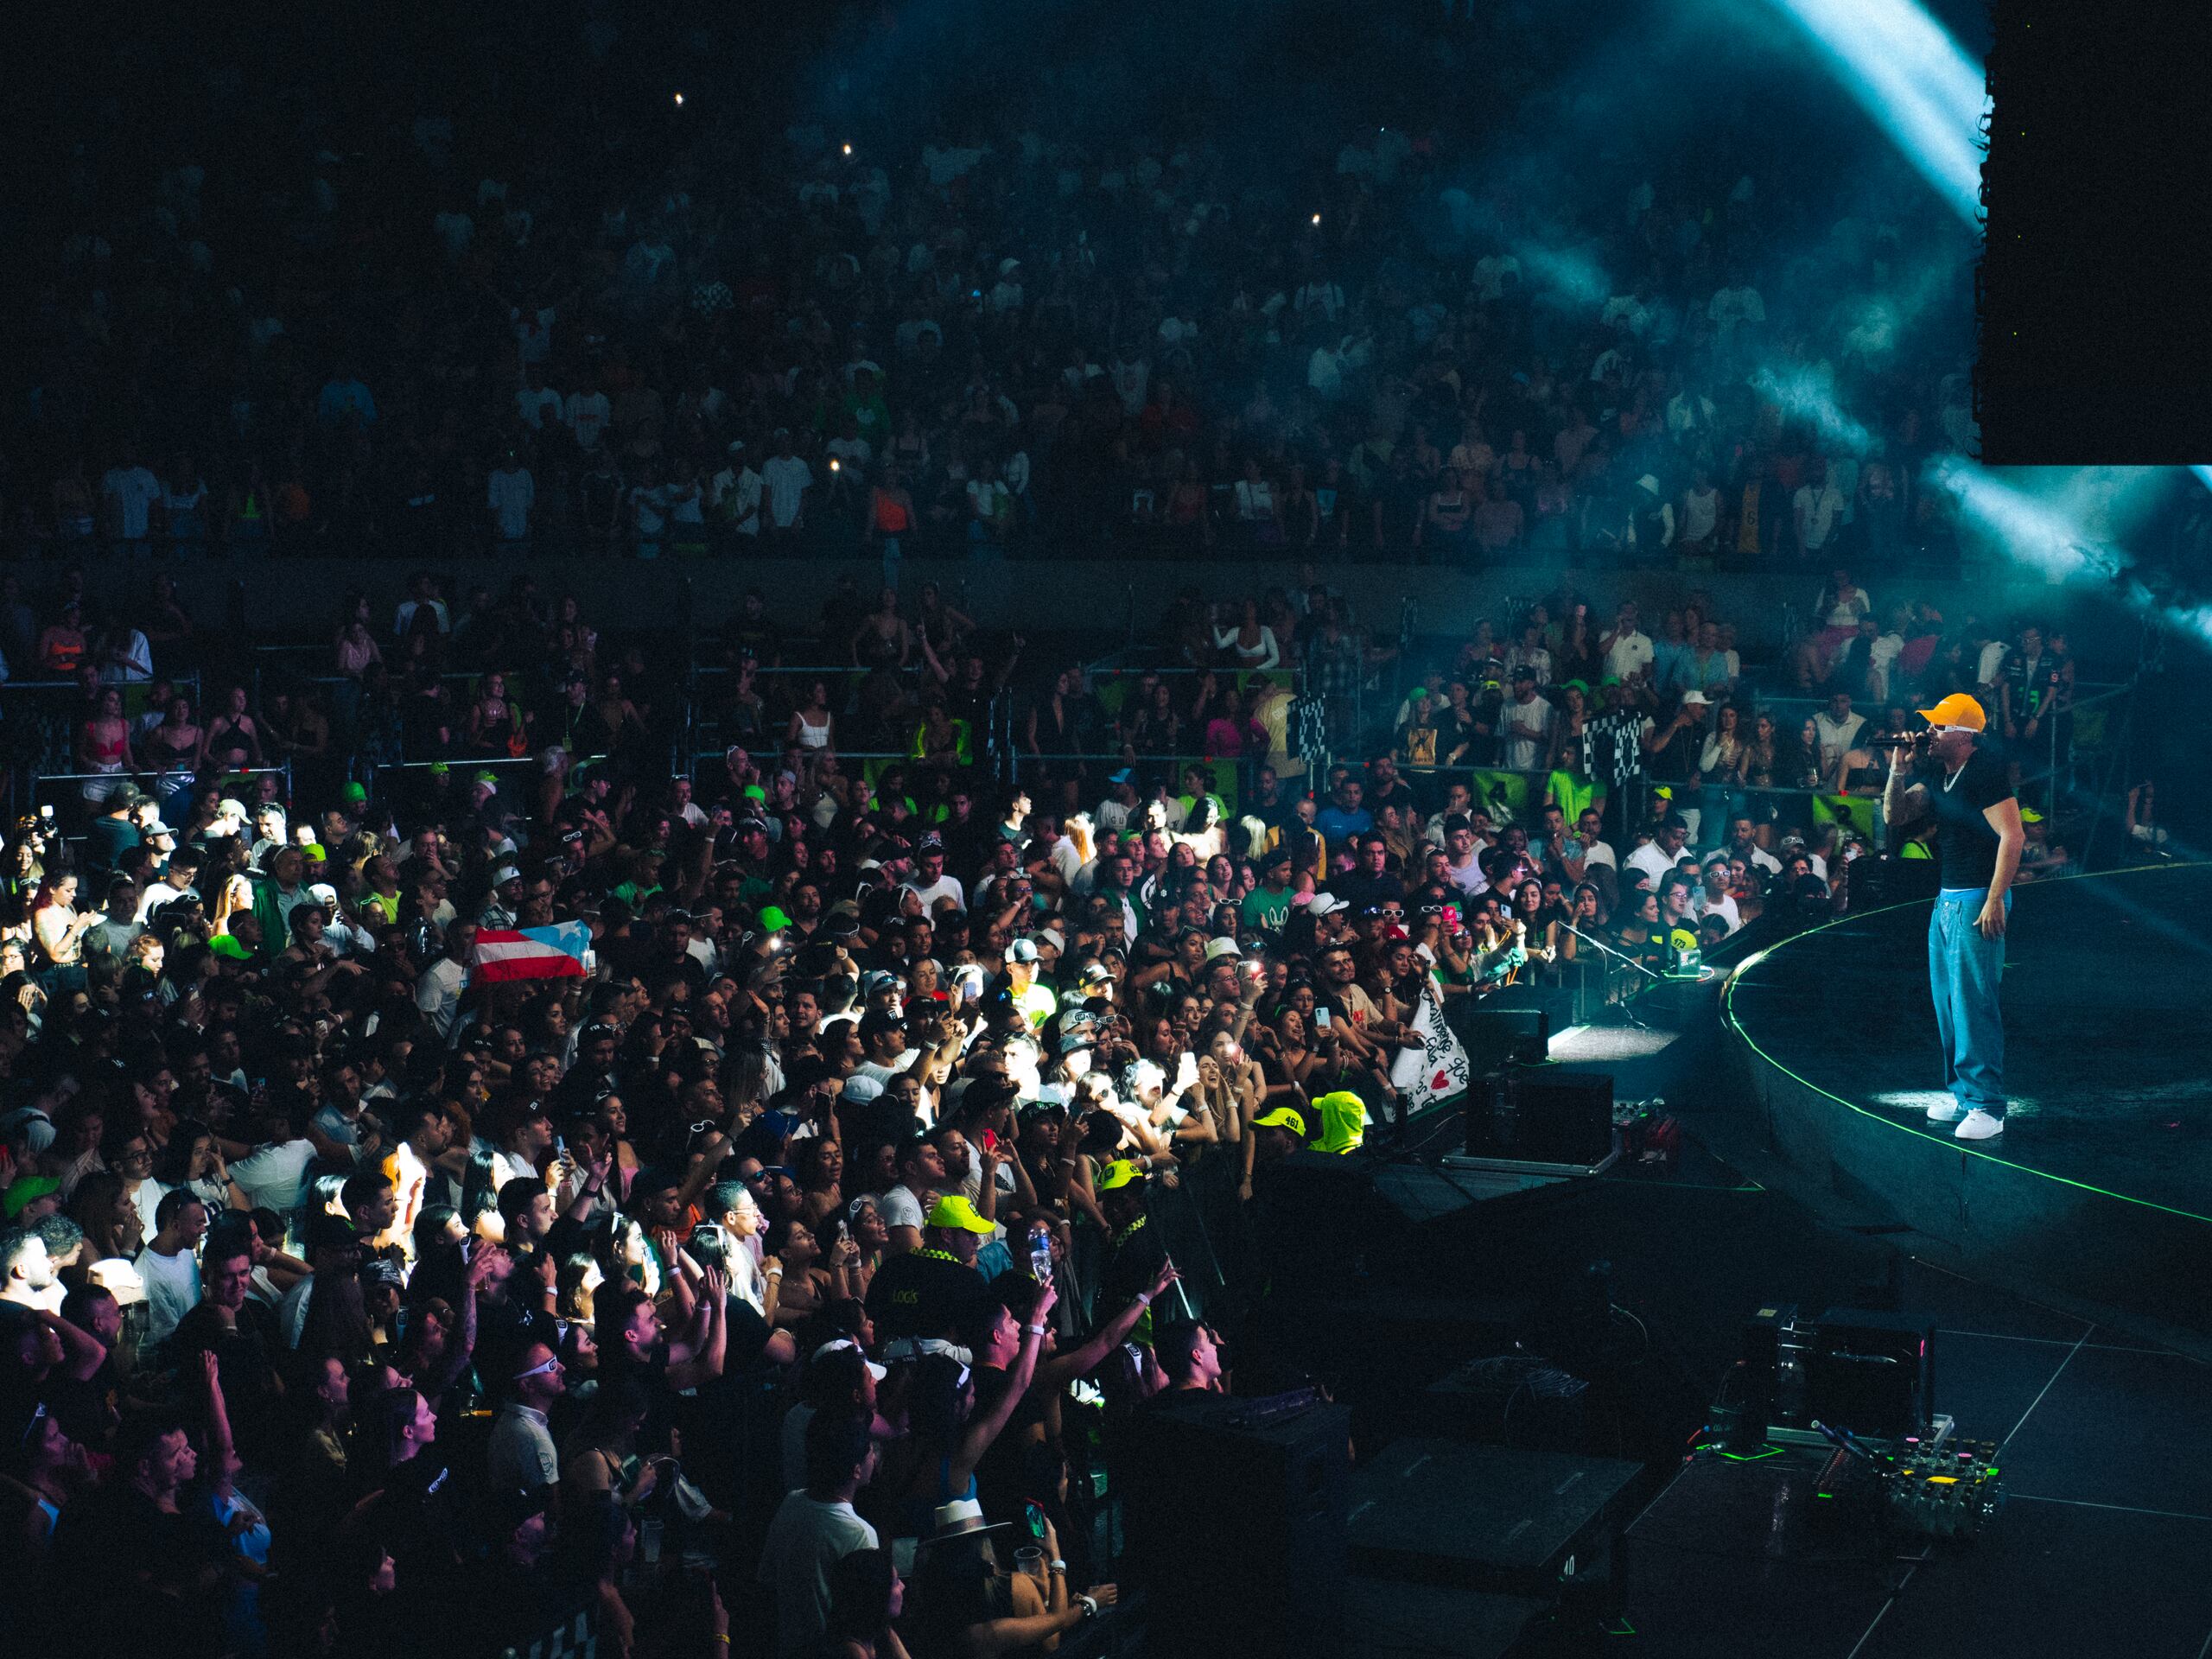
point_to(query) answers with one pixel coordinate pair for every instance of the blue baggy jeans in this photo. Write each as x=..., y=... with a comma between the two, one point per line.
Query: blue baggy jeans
x=1963, y=973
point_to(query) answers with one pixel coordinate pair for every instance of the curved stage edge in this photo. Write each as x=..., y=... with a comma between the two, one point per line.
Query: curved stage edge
x=2102, y=1192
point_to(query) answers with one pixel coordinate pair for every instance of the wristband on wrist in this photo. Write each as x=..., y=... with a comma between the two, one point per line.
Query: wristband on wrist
x=1145, y=1297
x=1036, y=1330
x=1057, y=1566
x=1090, y=1605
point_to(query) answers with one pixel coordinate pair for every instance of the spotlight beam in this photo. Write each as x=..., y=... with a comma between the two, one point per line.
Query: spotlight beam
x=1912, y=78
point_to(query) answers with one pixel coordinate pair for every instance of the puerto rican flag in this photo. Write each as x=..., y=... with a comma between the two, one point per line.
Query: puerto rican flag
x=555, y=952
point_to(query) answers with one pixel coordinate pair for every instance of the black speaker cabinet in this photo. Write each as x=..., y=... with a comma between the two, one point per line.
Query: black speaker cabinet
x=1317, y=1215
x=1526, y=1115
x=1234, y=1515
x=1870, y=1372
x=1496, y=1036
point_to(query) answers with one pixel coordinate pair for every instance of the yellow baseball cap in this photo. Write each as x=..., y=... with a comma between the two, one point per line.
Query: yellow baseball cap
x=1282, y=1118
x=1119, y=1174
x=1957, y=709
x=955, y=1211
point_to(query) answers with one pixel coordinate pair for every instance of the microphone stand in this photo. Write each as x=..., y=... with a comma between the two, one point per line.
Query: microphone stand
x=1627, y=1010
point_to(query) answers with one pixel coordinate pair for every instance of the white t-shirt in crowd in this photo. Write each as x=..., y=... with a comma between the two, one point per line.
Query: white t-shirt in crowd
x=1629, y=655
x=1816, y=511
x=172, y=1289
x=786, y=479
x=886, y=1074
x=900, y=1208
x=943, y=887
x=129, y=492
x=511, y=495
x=535, y=403
x=805, y=1540
x=1651, y=860
x=276, y=1177
x=1763, y=860
x=734, y=494
x=587, y=415
x=1700, y=514
x=1526, y=726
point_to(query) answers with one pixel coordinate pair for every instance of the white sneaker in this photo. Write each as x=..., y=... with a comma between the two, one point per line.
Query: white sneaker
x=1947, y=1111
x=1980, y=1126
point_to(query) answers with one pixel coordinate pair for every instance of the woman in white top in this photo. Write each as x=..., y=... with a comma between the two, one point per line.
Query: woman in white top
x=1843, y=601
x=1472, y=454
x=1840, y=605
x=1251, y=640
x=813, y=727
x=1701, y=517
x=1256, y=504
x=1721, y=765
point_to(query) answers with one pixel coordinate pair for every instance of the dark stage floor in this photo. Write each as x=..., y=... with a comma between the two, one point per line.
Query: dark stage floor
x=2098, y=1552
x=2107, y=1027
x=2109, y=1477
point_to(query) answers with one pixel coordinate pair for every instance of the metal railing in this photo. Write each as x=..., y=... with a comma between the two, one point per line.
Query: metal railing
x=39, y=783
x=474, y=763
x=1081, y=533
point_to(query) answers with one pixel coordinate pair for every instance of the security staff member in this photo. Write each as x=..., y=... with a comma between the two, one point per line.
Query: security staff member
x=917, y=1298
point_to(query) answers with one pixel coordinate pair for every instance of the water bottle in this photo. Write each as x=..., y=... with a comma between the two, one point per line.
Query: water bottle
x=1040, y=1254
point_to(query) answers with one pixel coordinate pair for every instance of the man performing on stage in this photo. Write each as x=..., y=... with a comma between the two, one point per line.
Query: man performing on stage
x=1964, y=787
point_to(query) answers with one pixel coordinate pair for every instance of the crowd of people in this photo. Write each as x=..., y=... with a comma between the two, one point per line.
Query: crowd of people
x=476, y=1159
x=582, y=1177
x=1035, y=325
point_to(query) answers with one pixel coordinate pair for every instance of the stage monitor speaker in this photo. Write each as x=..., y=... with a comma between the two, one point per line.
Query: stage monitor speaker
x=1235, y=1511
x=1542, y=1117
x=1505, y=1036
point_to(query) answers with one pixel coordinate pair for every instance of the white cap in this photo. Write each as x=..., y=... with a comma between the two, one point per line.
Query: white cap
x=876, y=1370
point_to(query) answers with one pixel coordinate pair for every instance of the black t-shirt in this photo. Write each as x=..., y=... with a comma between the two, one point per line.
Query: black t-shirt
x=1273, y=813
x=245, y=1353
x=1360, y=889
x=1965, y=843
x=107, y=839
x=148, y=1571
x=922, y=1293
x=1132, y=1263
x=746, y=1336
x=1002, y=1482
x=1401, y=500
x=1399, y=794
